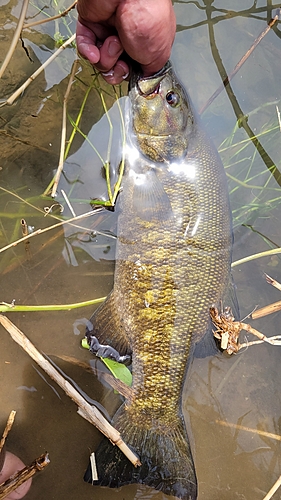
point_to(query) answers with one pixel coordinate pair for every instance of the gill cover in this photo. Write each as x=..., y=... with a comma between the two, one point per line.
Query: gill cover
x=162, y=119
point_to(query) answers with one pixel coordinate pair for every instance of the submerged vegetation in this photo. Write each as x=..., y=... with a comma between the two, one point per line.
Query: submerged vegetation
x=254, y=193
x=71, y=228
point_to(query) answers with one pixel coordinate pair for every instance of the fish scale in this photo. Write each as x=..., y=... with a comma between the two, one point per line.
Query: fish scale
x=172, y=264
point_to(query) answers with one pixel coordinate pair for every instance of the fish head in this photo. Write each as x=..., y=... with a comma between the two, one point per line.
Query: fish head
x=162, y=118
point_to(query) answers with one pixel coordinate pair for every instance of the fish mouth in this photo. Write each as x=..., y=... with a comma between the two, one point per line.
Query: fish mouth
x=143, y=135
x=148, y=85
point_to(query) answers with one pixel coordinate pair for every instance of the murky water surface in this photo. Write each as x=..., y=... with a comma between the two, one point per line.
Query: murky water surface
x=76, y=264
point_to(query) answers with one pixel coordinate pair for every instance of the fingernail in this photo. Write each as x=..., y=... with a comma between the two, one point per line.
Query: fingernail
x=108, y=73
x=119, y=73
x=114, y=48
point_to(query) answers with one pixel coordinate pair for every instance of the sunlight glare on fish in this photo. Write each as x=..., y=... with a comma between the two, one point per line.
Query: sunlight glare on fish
x=186, y=229
x=195, y=227
x=188, y=169
x=139, y=179
x=132, y=154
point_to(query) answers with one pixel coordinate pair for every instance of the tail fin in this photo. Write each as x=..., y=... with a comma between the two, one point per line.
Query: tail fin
x=165, y=455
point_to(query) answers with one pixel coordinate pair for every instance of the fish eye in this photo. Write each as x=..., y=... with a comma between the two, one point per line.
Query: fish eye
x=172, y=98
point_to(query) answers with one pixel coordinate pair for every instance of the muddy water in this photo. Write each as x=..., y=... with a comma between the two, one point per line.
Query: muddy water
x=76, y=264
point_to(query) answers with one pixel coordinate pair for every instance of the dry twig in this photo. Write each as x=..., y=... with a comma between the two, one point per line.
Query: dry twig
x=53, y=18
x=7, y=429
x=249, y=429
x=15, y=38
x=24, y=231
x=279, y=117
x=271, y=308
x=264, y=311
x=16, y=94
x=41, y=231
x=228, y=331
x=88, y=412
x=274, y=488
x=115, y=383
x=23, y=475
x=273, y=282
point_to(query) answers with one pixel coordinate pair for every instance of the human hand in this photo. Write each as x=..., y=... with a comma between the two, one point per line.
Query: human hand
x=143, y=29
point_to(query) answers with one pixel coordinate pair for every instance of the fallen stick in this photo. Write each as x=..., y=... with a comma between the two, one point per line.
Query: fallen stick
x=115, y=383
x=228, y=331
x=20, y=477
x=25, y=232
x=41, y=231
x=7, y=429
x=271, y=308
x=53, y=18
x=278, y=116
x=273, y=489
x=89, y=412
x=276, y=340
x=249, y=429
x=15, y=38
x=16, y=94
x=272, y=282
x=264, y=311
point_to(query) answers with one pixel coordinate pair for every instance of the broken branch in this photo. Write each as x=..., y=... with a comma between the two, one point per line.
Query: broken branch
x=16, y=94
x=249, y=429
x=53, y=18
x=228, y=331
x=264, y=311
x=271, y=308
x=274, y=488
x=23, y=475
x=15, y=38
x=89, y=412
x=7, y=429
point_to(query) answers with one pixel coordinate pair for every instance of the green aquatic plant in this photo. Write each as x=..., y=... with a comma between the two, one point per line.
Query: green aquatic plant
x=108, y=95
x=118, y=370
x=253, y=190
x=59, y=39
x=248, y=178
x=5, y=307
x=58, y=16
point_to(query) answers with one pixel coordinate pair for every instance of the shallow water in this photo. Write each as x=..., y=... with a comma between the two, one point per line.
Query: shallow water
x=76, y=265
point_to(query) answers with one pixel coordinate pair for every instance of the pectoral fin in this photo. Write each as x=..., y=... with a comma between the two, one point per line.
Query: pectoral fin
x=150, y=201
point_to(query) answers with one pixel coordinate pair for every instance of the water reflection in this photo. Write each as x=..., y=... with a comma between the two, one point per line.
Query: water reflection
x=230, y=463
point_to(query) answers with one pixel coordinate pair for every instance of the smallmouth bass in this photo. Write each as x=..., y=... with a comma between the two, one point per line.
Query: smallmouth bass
x=173, y=260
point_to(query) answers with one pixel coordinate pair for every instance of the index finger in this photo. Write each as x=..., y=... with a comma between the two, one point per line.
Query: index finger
x=86, y=43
